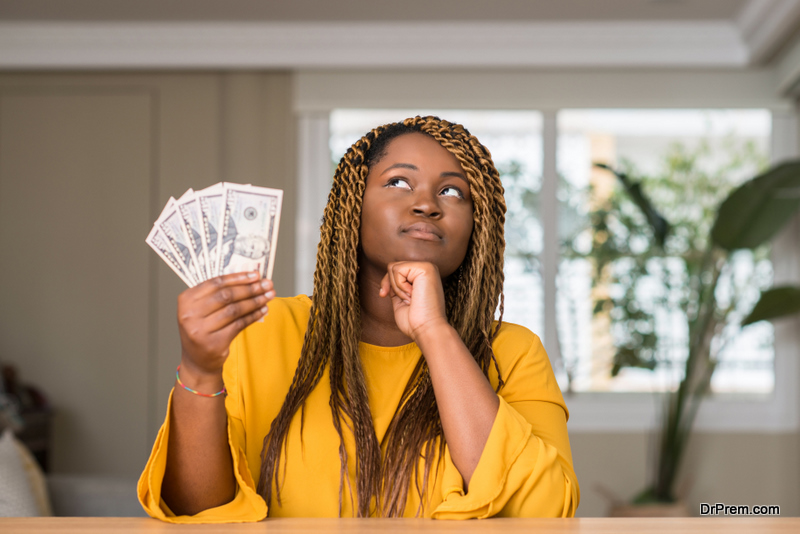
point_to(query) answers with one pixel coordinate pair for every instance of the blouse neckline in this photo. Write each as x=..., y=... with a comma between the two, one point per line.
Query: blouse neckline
x=410, y=347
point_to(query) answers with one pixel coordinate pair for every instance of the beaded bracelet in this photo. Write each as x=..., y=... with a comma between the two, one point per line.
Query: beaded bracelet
x=223, y=391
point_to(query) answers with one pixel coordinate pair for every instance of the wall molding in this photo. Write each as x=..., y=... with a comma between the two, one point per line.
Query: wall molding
x=763, y=25
x=325, y=89
x=225, y=45
x=788, y=70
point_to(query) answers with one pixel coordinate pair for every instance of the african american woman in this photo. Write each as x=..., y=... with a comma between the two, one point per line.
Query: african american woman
x=390, y=392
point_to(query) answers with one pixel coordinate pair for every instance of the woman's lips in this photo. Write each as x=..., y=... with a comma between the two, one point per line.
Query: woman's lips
x=424, y=231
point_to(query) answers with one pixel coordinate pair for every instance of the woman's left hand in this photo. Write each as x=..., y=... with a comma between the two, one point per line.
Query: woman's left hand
x=415, y=288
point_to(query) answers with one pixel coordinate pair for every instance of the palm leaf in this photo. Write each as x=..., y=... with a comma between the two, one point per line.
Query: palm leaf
x=755, y=211
x=774, y=303
x=658, y=223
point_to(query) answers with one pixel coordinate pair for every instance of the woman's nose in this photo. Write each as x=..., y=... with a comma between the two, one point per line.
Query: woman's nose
x=426, y=203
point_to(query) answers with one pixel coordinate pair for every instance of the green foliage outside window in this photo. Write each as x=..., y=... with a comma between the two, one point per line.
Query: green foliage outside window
x=708, y=295
x=648, y=264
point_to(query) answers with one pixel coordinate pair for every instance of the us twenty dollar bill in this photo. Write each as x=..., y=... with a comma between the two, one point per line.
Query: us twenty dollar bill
x=249, y=230
x=189, y=209
x=172, y=225
x=212, y=203
x=160, y=244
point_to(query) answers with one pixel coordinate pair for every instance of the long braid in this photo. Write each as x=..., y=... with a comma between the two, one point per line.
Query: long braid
x=334, y=328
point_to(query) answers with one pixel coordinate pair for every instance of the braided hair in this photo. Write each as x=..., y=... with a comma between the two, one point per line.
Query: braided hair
x=334, y=327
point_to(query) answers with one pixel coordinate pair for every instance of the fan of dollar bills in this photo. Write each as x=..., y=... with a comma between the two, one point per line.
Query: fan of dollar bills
x=226, y=228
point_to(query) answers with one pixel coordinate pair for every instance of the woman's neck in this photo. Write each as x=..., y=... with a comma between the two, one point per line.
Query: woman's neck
x=377, y=315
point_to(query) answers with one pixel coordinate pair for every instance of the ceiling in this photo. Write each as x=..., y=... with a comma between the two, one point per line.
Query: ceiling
x=395, y=34
x=369, y=10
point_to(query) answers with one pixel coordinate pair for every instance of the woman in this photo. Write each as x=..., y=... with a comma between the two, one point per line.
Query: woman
x=394, y=393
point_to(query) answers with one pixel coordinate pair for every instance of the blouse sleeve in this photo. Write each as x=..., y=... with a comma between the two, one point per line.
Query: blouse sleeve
x=246, y=506
x=525, y=469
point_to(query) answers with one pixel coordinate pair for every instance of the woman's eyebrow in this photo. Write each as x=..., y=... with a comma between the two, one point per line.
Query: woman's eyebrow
x=400, y=166
x=455, y=175
x=415, y=168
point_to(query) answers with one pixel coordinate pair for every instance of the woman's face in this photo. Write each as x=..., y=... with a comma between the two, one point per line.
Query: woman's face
x=417, y=206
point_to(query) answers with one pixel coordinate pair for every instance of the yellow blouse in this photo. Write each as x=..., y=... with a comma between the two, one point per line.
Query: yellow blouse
x=525, y=469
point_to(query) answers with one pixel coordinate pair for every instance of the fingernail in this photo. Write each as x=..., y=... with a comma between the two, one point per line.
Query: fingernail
x=266, y=283
x=264, y=309
x=269, y=294
x=252, y=276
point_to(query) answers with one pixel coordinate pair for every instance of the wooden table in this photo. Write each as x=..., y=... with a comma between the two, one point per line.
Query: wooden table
x=698, y=525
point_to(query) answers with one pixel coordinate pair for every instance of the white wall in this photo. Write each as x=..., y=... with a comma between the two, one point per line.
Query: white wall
x=87, y=310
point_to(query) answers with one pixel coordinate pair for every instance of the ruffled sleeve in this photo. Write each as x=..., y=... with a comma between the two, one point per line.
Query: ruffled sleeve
x=246, y=506
x=525, y=469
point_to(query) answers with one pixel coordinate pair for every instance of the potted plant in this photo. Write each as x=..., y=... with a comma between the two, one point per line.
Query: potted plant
x=694, y=276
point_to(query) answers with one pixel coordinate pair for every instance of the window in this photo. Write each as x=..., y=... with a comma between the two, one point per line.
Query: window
x=686, y=161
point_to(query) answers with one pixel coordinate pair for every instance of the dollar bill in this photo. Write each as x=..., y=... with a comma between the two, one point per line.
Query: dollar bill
x=160, y=244
x=249, y=230
x=172, y=226
x=222, y=229
x=193, y=227
x=212, y=202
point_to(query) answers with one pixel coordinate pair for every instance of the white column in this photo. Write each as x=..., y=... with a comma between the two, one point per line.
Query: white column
x=549, y=211
x=314, y=178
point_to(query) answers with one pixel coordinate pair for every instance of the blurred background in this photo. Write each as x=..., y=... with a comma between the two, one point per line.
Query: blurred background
x=108, y=108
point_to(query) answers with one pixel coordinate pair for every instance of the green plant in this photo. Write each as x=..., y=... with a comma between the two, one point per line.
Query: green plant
x=691, y=258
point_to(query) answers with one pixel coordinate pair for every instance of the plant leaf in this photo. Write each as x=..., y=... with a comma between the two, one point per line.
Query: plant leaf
x=755, y=211
x=775, y=302
x=628, y=357
x=659, y=224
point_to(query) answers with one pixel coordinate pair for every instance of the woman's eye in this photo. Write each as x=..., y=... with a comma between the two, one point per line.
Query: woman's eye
x=454, y=192
x=398, y=182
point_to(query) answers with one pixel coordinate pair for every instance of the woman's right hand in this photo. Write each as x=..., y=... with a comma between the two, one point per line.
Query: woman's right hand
x=211, y=314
